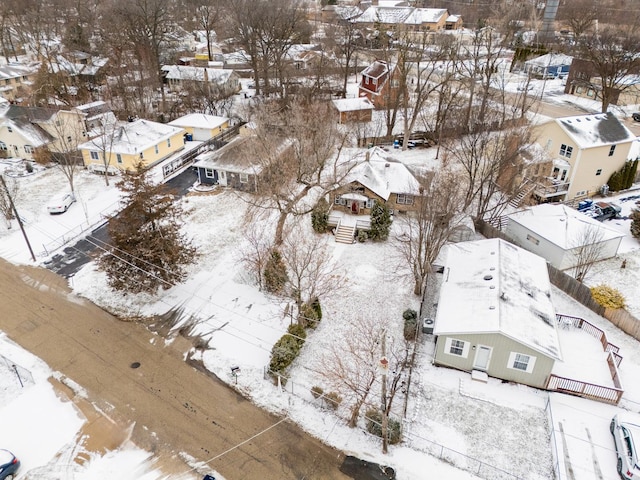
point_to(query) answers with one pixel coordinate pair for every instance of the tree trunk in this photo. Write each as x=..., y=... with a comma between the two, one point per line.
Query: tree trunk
x=278, y=239
x=355, y=413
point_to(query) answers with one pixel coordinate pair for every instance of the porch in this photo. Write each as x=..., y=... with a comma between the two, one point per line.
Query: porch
x=346, y=225
x=549, y=189
x=589, y=356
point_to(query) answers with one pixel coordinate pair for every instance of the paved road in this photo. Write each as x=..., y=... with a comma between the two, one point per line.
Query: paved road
x=175, y=407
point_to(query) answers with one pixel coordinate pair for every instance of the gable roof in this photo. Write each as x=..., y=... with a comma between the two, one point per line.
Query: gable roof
x=426, y=15
x=383, y=175
x=134, y=137
x=239, y=155
x=14, y=70
x=199, y=120
x=376, y=69
x=186, y=72
x=31, y=132
x=378, y=14
x=550, y=60
x=561, y=225
x=595, y=130
x=491, y=286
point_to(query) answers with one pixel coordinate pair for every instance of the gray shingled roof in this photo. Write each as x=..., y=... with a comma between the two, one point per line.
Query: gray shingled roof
x=595, y=130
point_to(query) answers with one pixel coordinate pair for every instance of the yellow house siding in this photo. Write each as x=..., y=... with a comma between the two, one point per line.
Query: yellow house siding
x=130, y=160
x=584, y=163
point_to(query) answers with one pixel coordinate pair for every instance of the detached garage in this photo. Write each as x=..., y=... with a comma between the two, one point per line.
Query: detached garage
x=561, y=234
x=201, y=127
x=495, y=315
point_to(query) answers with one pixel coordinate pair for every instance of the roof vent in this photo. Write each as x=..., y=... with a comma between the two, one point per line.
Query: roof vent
x=488, y=277
x=492, y=307
x=387, y=165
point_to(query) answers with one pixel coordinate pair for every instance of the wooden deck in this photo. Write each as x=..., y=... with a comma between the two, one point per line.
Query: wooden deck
x=580, y=388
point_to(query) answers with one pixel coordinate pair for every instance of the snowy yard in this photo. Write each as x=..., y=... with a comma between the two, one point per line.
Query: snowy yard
x=493, y=430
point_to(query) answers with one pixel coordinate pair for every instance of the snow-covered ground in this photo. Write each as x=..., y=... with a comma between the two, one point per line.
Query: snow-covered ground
x=490, y=430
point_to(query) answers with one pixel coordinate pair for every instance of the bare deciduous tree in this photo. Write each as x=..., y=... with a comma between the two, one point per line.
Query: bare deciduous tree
x=310, y=270
x=425, y=231
x=256, y=253
x=301, y=158
x=351, y=364
x=614, y=54
x=586, y=249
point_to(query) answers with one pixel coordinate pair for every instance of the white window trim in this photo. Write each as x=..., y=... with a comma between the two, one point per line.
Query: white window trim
x=28, y=149
x=244, y=177
x=118, y=158
x=208, y=172
x=465, y=347
x=530, y=364
x=94, y=156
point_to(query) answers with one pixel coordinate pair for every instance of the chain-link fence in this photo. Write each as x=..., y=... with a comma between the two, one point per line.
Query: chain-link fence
x=459, y=460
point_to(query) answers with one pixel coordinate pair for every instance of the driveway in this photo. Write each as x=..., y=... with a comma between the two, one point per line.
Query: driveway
x=73, y=257
x=138, y=379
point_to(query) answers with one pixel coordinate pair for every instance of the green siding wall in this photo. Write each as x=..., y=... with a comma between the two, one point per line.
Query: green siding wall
x=502, y=347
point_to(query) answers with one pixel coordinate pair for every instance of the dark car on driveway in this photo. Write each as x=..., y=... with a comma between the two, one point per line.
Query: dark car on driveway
x=636, y=116
x=9, y=465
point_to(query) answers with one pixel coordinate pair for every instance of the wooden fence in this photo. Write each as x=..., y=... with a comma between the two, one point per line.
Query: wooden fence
x=581, y=323
x=578, y=291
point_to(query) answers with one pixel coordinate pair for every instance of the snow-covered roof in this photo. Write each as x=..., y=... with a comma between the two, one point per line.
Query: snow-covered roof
x=453, y=18
x=346, y=12
x=187, y=72
x=377, y=69
x=199, y=120
x=425, y=15
x=13, y=70
x=551, y=60
x=134, y=137
x=491, y=286
x=352, y=104
x=561, y=225
x=595, y=130
x=391, y=15
x=239, y=155
x=31, y=132
x=383, y=175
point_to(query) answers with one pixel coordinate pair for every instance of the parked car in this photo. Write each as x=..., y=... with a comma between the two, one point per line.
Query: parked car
x=9, y=465
x=636, y=116
x=600, y=211
x=60, y=203
x=623, y=438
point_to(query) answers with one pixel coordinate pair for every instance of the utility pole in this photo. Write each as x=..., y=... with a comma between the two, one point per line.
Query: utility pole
x=384, y=362
x=15, y=212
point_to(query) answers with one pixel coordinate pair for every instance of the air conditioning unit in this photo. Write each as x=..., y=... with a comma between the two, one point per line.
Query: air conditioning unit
x=427, y=325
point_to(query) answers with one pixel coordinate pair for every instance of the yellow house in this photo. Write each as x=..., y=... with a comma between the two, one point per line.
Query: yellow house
x=585, y=150
x=16, y=80
x=24, y=131
x=201, y=127
x=128, y=144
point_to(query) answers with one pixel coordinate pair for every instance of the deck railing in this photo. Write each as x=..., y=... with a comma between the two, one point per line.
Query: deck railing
x=581, y=323
x=585, y=389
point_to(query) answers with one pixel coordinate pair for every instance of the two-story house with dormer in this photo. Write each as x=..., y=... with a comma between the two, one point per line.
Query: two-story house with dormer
x=377, y=83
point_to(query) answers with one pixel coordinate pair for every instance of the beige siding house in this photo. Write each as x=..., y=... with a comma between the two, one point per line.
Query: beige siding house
x=495, y=314
x=585, y=151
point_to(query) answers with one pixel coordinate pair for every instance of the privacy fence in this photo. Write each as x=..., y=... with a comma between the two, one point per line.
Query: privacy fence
x=579, y=291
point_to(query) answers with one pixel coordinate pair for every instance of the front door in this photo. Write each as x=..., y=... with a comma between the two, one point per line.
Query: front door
x=355, y=208
x=483, y=354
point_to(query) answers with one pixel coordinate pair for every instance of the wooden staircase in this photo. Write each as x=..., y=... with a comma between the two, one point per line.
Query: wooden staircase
x=345, y=234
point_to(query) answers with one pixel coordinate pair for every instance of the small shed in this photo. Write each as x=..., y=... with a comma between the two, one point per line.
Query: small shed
x=562, y=235
x=353, y=109
x=201, y=127
x=495, y=314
